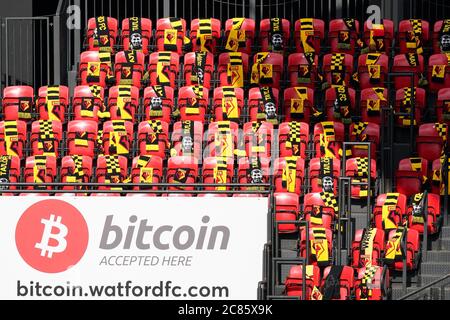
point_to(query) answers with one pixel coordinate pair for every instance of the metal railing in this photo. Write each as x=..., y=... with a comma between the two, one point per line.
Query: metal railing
x=426, y=292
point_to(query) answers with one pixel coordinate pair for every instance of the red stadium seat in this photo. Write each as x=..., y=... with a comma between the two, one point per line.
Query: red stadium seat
x=147, y=169
x=233, y=69
x=320, y=168
x=379, y=37
x=403, y=104
x=289, y=174
x=368, y=248
x=87, y=102
x=205, y=34
x=117, y=137
x=443, y=106
x=413, y=34
x=416, y=213
x=129, y=68
x=158, y=103
x=340, y=102
x=274, y=34
x=163, y=67
x=321, y=246
x=372, y=283
x=294, y=282
x=123, y=102
x=357, y=169
x=13, y=137
x=52, y=103
x=218, y=171
x=373, y=100
x=298, y=104
x=267, y=69
x=441, y=33
x=253, y=170
x=95, y=69
x=40, y=169
x=408, y=62
x=171, y=34
x=438, y=72
x=411, y=175
x=286, y=209
x=187, y=139
x=343, y=35
x=46, y=136
x=437, y=185
x=365, y=132
x=222, y=139
x=182, y=170
x=328, y=139
x=308, y=35
x=240, y=34
x=153, y=138
x=293, y=138
x=228, y=103
x=82, y=137
x=372, y=70
x=337, y=283
x=338, y=69
x=432, y=140
x=9, y=172
x=318, y=212
x=111, y=169
x=75, y=169
x=102, y=33
x=389, y=211
x=302, y=70
x=198, y=68
x=258, y=139
x=263, y=104
x=394, y=254
x=137, y=34
x=18, y=103
x=193, y=103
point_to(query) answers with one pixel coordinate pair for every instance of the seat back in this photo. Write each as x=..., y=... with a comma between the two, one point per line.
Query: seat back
x=13, y=137
x=293, y=138
x=153, y=138
x=274, y=35
x=82, y=137
x=193, y=103
x=182, y=170
x=117, y=137
x=87, y=102
x=263, y=104
x=379, y=37
x=338, y=68
x=170, y=34
x=328, y=139
x=365, y=132
x=240, y=34
x=302, y=70
x=258, y=139
x=438, y=72
x=46, y=136
x=443, y=106
x=413, y=35
x=431, y=140
x=286, y=209
x=205, y=34
x=373, y=100
x=129, y=68
x=18, y=103
x=320, y=168
x=372, y=70
x=403, y=104
x=52, y=103
x=102, y=34
x=289, y=174
x=137, y=34
x=198, y=68
x=228, y=103
x=40, y=169
x=340, y=103
x=343, y=35
x=158, y=103
x=308, y=35
x=163, y=68
x=187, y=139
x=218, y=171
x=123, y=102
x=407, y=62
x=233, y=69
x=267, y=69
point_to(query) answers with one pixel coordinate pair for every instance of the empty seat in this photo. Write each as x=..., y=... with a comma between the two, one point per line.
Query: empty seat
x=267, y=69
x=13, y=137
x=328, y=139
x=159, y=103
x=411, y=176
x=404, y=102
x=153, y=138
x=343, y=35
x=258, y=139
x=365, y=132
x=187, y=139
x=373, y=100
x=137, y=34
x=88, y=102
x=358, y=170
x=181, y=171
x=443, y=106
x=233, y=69
x=193, y=103
x=129, y=68
x=75, y=169
x=111, y=169
x=38, y=170
x=205, y=33
x=294, y=282
x=372, y=70
x=432, y=140
x=340, y=102
x=254, y=171
x=239, y=34
x=171, y=35
x=394, y=254
x=102, y=33
x=293, y=138
x=299, y=104
x=303, y=69
x=286, y=209
x=228, y=103
x=18, y=103
x=337, y=283
x=368, y=248
x=82, y=137
x=222, y=139
x=163, y=68
x=198, y=68
x=338, y=69
x=52, y=103
x=9, y=172
x=416, y=213
x=289, y=174
x=308, y=35
x=320, y=209
x=389, y=211
x=263, y=104
x=46, y=136
x=117, y=137
x=413, y=34
x=372, y=283
x=438, y=72
x=410, y=63
x=123, y=102
x=321, y=246
x=438, y=171
x=274, y=34
x=95, y=68
x=147, y=169
x=217, y=171
x=324, y=174
x=378, y=37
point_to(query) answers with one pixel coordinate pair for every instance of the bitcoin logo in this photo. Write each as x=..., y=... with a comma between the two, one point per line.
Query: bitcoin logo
x=52, y=236
x=44, y=245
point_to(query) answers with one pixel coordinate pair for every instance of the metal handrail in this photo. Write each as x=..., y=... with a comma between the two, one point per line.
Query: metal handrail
x=428, y=286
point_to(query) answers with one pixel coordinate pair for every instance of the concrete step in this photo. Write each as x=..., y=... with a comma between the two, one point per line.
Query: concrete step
x=445, y=232
x=435, y=268
x=397, y=290
x=438, y=256
x=427, y=278
x=445, y=244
